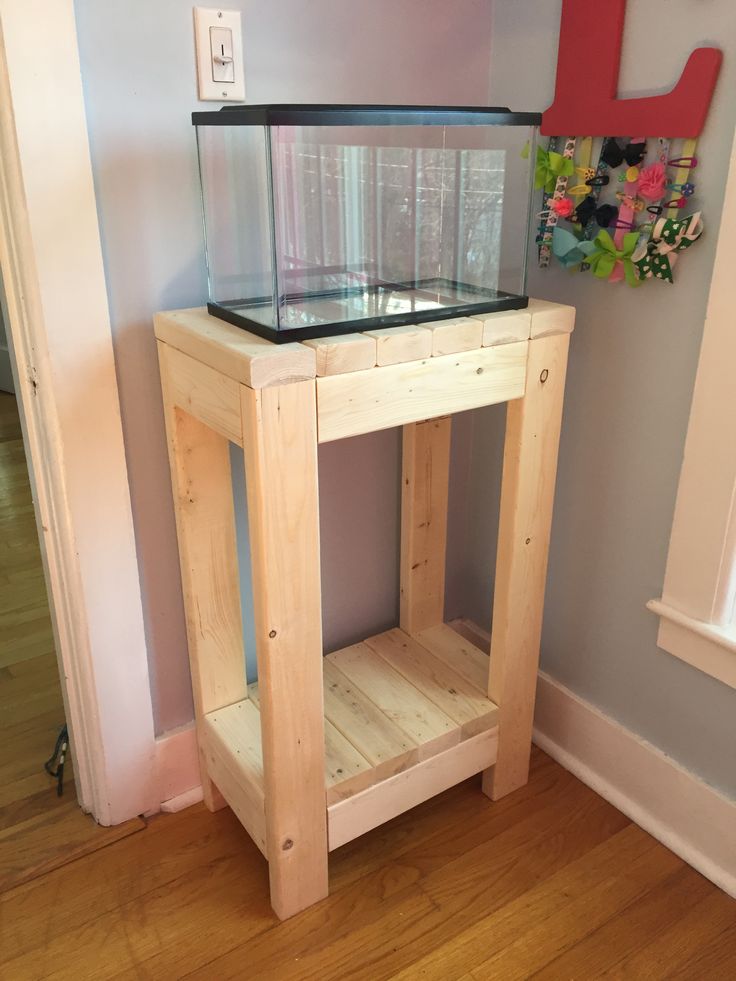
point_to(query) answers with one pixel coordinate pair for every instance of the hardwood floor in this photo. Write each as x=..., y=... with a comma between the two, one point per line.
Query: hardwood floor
x=38, y=830
x=551, y=882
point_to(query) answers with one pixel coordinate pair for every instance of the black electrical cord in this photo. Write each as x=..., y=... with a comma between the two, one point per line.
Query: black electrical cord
x=58, y=757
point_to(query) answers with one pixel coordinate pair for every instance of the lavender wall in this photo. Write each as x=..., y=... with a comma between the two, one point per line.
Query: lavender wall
x=632, y=365
x=139, y=80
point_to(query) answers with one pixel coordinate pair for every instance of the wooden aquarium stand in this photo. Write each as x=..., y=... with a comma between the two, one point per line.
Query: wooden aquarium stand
x=322, y=750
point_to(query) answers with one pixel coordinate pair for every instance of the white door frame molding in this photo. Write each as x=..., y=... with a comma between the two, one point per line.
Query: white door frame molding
x=59, y=332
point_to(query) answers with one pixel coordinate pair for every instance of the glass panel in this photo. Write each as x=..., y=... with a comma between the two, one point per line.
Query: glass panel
x=235, y=194
x=383, y=221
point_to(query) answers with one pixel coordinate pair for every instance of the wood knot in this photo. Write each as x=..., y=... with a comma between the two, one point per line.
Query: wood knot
x=272, y=634
x=287, y=844
x=544, y=376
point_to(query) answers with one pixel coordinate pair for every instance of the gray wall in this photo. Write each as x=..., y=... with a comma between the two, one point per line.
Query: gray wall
x=632, y=367
x=139, y=81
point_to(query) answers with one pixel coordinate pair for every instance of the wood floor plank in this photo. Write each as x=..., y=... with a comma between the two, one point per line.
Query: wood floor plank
x=548, y=915
x=668, y=901
x=712, y=962
x=52, y=838
x=686, y=938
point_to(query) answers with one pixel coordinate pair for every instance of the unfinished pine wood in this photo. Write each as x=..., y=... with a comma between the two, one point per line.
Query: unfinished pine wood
x=199, y=460
x=395, y=345
x=424, y=488
x=383, y=801
x=455, y=335
x=232, y=747
x=505, y=327
x=465, y=704
x=204, y=393
x=550, y=318
x=280, y=443
x=232, y=351
x=348, y=405
x=343, y=353
x=527, y=492
x=346, y=769
x=389, y=705
x=387, y=747
x=431, y=728
x=464, y=657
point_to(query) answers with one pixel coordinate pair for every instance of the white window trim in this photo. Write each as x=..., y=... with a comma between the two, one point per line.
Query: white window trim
x=696, y=609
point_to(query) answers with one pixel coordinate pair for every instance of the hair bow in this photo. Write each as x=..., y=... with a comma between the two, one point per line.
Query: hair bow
x=670, y=236
x=603, y=260
x=568, y=249
x=614, y=154
x=605, y=215
x=550, y=166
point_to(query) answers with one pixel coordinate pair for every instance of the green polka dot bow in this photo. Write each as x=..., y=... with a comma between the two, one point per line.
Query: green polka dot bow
x=656, y=258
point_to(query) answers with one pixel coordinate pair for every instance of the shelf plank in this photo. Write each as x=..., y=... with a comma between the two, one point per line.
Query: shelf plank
x=387, y=747
x=355, y=816
x=455, y=335
x=343, y=353
x=397, y=698
x=461, y=701
x=457, y=652
x=232, y=748
x=396, y=345
x=505, y=327
x=346, y=770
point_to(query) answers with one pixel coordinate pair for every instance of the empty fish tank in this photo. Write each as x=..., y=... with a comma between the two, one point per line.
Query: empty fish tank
x=323, y=220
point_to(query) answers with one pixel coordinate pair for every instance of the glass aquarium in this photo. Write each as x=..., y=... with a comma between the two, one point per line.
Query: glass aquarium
x=323, y=220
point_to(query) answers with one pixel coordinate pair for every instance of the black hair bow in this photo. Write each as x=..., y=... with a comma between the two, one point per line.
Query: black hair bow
x=605, y=215
x=614, y=154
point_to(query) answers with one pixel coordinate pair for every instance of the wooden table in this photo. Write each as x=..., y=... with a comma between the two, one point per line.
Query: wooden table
x=322, y=750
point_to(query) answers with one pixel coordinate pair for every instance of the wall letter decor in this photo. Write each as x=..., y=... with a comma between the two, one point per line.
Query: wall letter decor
x=591, y=106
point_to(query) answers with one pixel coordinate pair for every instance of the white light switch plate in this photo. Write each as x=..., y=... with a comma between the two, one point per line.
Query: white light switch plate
x=231, y=84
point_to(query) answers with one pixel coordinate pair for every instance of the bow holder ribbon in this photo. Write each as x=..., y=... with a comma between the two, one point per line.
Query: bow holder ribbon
x=656, y=258
x=551, y=165
x=614, y=154
x=605, y=257
x=568, y=249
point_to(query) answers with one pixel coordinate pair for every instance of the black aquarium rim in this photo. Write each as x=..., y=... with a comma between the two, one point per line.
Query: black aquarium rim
x=294, y=114
x=508, y=302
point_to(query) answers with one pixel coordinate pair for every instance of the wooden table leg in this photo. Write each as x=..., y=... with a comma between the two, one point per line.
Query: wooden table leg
x=527, y=493
x=280, y=443
x=205, y=524
x=424, y=490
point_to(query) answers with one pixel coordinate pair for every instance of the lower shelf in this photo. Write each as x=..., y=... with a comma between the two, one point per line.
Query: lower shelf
x=405, y=718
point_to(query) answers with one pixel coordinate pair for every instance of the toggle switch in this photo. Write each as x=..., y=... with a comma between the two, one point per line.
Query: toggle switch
x=219, y=45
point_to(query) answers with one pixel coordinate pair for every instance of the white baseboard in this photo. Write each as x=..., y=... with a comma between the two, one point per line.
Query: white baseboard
x=177, y=768
x=692, y=819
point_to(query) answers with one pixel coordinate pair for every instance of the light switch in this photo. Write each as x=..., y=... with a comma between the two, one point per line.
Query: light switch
x=219, y=43
x=221, y=47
